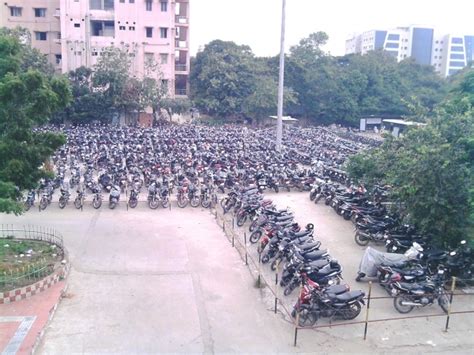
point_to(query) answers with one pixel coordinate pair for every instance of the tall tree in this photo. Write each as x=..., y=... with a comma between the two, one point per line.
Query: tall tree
x=222, y=77
x=27, y=99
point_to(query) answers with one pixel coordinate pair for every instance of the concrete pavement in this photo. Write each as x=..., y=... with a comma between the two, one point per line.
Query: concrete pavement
x=155, y=281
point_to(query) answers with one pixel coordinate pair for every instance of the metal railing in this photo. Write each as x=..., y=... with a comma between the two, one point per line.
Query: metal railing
x=20, y=276
x=180, y=67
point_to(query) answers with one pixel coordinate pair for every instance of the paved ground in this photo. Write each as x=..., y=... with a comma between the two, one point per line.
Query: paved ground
x=145, y=281
x=21, y=322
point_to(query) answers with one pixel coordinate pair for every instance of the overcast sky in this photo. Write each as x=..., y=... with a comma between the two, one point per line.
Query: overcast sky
x=257, y=22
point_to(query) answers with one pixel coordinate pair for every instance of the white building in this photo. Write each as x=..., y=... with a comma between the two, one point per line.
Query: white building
x=448, y=53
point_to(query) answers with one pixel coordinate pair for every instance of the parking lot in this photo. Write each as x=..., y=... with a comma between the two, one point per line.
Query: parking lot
x=147, y=281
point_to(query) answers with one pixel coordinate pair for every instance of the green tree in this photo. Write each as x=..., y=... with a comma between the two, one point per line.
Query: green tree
x=431, y=172
x=27, y=99
x=222, y=77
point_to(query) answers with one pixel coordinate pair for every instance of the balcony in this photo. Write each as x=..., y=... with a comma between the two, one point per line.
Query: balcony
x=181, y=20
x=180, y=67
x=181, y=44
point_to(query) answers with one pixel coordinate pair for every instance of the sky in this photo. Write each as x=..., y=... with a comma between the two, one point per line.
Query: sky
x=257, y=23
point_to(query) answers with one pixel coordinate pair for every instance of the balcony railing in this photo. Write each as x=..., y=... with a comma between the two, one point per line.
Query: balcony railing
x=57, y=13
x=180, y=92
x=183, y=20
x=181, y=44
x=180, y=67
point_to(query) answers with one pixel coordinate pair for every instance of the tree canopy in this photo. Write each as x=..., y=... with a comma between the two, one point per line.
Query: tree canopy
x=431, y=169
x=28, y=98
x=229, y=80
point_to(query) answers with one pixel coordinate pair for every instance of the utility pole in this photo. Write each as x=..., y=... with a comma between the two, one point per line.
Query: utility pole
x=281, y=80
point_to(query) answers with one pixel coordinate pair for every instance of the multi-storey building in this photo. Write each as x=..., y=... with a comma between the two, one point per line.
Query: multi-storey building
x=41, y=18
x=446, y=53
x=76, y=32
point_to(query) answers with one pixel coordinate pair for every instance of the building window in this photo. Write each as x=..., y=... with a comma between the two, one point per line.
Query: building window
x=40, y=12
x=456, y=40
x=149, y=57
x=149, y=32
x=59, y=57
x=149, y=5
x=391, y=45
x=95, y=53
x=15, y=11
x=457, y=48
x=101, y=4
x=163, y=32
x=131, y=1
x=122, y=1
x=456, y=64
x=103, y=28
x=164, y=58
x=164, y=6
x=40, y=36
x=122, y=28
x=393, y=37
x=77, y=25
x=456, y=56
x=131, y=28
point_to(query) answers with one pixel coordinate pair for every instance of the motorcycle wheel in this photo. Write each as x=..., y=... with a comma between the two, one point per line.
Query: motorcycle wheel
x=289, y=289
x=307, y=318
x=443, y=301
x=62, y=203
x=223, y=202
x=346, y=215
x=133, y=203
x=27, y=206
x=165, y=203
x=43, y=204
x=195, y=201
x=399, y=306
x=351, y=312
x=206, y=203
x=112, y=204
x=312, y=195
x=253, y=226
x=327, y=202
x=361, y=239
x=228, y=206
x=265, y=259
x=96, y=203
x=276, y=189
x=274, y=264
x=255, y=236
x=77, y=203
x=288, y=189
x=241, y=219
x=153, y=204
x=182, y=202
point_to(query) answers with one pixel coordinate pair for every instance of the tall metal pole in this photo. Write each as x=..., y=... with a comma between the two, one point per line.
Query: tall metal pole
x=281, y=80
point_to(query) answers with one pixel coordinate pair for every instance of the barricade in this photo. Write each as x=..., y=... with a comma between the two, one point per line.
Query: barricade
x=238, y=240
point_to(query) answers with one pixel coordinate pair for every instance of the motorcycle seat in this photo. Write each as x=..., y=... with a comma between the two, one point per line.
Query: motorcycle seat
x=318, y=264
x=317, y=254
x=350, y=296
x=302, y=233
x=334, y=290
x=284, y=218
x=309, y=245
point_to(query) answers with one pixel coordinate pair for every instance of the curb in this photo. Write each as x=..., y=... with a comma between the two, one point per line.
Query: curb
x=52, y=312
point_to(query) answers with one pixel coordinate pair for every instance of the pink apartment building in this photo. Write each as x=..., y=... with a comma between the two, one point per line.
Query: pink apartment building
x=147, y=29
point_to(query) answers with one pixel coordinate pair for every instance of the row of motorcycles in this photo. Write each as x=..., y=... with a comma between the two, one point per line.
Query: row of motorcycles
x=295, y=251
x=412, y=271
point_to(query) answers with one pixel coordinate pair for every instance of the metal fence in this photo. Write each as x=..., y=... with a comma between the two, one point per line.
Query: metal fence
x=27, y=274
x=239, y=241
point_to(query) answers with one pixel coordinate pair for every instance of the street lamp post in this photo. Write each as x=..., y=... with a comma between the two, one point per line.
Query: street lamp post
x=281, y=80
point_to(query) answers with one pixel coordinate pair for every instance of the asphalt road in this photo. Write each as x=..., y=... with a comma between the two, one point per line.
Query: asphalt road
x=155, y=281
